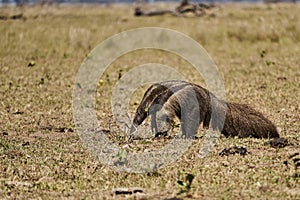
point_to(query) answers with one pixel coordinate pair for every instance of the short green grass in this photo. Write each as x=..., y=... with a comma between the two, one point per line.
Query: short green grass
x=256, y=48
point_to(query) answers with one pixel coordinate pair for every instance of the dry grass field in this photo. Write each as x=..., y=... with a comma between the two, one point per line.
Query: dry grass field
x=255, y=46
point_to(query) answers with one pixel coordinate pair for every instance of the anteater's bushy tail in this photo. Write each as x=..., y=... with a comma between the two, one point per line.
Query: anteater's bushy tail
x=243, y=121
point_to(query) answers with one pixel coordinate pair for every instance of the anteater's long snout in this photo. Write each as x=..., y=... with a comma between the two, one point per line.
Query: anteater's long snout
x=133, y=129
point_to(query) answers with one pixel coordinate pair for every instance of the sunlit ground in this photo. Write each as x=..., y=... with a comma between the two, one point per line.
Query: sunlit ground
x=256, y=48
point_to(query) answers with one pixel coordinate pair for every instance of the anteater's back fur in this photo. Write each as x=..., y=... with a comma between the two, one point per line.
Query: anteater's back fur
x=175, y=99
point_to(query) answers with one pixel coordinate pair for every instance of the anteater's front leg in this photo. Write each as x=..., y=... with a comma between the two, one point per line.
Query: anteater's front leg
x=190, y=122
x=161, y=123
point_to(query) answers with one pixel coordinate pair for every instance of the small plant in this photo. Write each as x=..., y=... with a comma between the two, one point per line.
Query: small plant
x=268, y=62
x=42, y=81
x=185, y=184
x=294, y=161
x=31, y=64
x=175, y=125
x=121, y=158
x=263, y=53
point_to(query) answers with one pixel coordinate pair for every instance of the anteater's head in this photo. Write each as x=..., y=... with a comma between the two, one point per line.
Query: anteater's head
x=160, y=121
x=154, y=104
x=142, y=111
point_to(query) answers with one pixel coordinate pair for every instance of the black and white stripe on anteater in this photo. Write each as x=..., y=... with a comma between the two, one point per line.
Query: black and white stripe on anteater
x=193, y=105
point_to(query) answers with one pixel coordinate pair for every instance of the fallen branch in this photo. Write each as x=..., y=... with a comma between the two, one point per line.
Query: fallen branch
x=139, y=12
x=184, y=7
